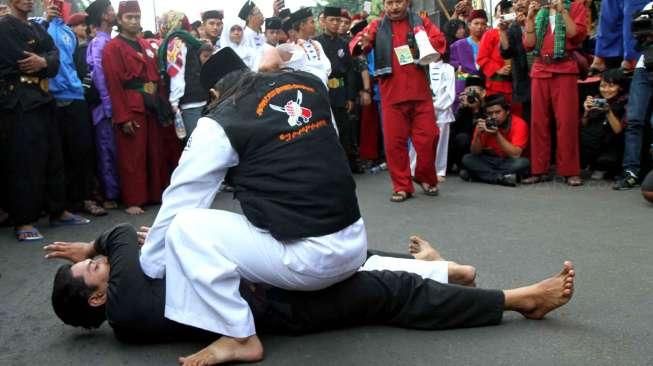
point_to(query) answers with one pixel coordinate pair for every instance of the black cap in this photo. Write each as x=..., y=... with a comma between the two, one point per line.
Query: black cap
x=300, y=15
x=284, y=13
x=219, y=65
x=246, y=10
x=212, y=14
x=358, y=27
x=332, y=11
x=473, y=80
x=95, y=11
x=286, y=24
x=273, y=23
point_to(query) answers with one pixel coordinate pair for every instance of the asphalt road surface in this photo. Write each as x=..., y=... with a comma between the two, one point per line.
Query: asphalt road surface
x=514, y=236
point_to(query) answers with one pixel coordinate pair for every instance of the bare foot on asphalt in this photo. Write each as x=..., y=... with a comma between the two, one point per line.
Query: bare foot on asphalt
x=226, y=349
x=135, y=210
x=422, y=250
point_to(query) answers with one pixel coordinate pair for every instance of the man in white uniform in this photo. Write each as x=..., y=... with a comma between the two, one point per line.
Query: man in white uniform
x=311, y=57
x=301, y=228
x=253, y=31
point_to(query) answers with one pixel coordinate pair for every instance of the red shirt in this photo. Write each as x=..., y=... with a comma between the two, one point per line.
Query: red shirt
x=407, y=82
x=517, y=135
x=577, y=12
x=490, y=61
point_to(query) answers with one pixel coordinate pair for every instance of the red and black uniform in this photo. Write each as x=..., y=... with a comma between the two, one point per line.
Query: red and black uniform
x=406, y=99
x=146, y=158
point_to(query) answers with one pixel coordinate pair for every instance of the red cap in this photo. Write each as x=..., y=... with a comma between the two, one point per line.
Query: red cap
x=129, y=6
x=477, y=13
x=76, y=19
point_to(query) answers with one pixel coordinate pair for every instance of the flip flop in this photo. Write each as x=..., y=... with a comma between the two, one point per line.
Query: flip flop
x=35, y=235
x=71, y=221
x=428, y=189
x=400, y=196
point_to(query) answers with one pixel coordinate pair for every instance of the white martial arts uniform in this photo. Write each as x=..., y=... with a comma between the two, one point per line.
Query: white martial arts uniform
x=256, y=42
x=204, y=253
x=243, y=49
x=443, y=88
x=308, y=57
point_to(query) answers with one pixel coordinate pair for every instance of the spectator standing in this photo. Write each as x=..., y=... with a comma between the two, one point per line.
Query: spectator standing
x=138, y=112
x=496, y=68
x=102, y=17
x=32, y=161
x=552, y=33
x=406, y=100
x=463, y=53
x=253, y=31
x=512, y=47
x=212, y=21
x=272, y=30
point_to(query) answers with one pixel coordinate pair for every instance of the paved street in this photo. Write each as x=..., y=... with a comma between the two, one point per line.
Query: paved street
x=513, y=237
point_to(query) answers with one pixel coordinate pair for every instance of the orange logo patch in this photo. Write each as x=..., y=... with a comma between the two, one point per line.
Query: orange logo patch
x=265, y=101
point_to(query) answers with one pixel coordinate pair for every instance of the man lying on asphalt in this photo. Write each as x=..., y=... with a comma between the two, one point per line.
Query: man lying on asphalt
x=106, y=283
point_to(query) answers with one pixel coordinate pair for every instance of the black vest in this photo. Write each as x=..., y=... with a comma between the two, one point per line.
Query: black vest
x=193, y=93
x=293, y=178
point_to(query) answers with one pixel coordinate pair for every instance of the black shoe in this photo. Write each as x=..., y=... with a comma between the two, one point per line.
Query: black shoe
x=508, y=180
x=628, y=181
x=464, y=175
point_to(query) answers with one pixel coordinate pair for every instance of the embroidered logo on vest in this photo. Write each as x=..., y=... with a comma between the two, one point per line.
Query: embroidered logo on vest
x=297, y=115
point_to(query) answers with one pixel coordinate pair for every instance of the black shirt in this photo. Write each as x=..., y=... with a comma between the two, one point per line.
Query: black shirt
x=337, y=51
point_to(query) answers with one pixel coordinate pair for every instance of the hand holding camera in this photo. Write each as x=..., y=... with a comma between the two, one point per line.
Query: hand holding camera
x=595, y=103
x=470, y=98
x=487, y=125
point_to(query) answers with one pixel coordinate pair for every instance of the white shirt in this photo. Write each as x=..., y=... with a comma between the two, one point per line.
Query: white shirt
x=443, y=87
x=309, y=57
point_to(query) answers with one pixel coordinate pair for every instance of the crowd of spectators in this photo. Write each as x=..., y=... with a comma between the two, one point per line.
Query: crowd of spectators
x=95, y=111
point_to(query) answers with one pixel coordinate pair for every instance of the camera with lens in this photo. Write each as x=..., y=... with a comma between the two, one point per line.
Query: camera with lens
x=642, y=29
x=473, y=97
x=491, y=124
x=600, y=103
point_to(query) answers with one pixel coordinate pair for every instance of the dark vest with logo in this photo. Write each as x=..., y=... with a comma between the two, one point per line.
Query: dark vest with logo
x=193, y=93
x=293, y=177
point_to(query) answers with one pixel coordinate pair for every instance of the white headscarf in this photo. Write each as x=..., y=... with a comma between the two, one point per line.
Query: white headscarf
x=243, y=50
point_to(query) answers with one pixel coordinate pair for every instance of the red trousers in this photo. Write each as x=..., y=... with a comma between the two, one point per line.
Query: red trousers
x=560, y=95
x=369, y=134
x=145, y=161
x=414, y=120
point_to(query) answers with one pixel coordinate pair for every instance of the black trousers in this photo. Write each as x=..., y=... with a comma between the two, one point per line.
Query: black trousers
x=78, y=148
x=459, y=144
x=489, y=169
x=32, y=164
x=346, y=131
x=398, y=299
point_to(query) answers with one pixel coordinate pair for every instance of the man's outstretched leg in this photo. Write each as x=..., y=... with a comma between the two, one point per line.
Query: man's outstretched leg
x=458, y=274
x=537, y=300
x=226, y=349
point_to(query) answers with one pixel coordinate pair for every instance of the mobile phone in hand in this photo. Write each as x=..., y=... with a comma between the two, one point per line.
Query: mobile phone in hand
x=59, y=5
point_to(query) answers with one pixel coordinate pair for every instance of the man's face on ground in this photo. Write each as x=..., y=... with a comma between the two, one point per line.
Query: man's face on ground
x=477, y=27
x=24, y=6
x=332, y=24
x=272, y=35
x=497, y=113
x=395, y=9
x=94, y=272
x=213, y=28
x=130, y=23
x=308, y=27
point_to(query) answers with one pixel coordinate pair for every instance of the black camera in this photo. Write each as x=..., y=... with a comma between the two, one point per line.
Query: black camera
x=473, y=96
x=642, y=24
x=491, y=124
x=600, y=103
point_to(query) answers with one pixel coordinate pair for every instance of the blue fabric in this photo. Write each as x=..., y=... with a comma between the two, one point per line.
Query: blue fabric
x=66, y=85
x=639, y=100
x=370, y=69
x=474, y=47
x=614, y=37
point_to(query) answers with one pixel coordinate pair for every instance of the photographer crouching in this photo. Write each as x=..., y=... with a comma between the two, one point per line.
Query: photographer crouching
x=497, y=146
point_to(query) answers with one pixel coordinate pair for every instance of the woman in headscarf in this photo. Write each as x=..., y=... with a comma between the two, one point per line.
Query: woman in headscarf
x=232, y=36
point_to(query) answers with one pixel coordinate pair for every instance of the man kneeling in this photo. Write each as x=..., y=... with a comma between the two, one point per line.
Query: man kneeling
x=107, y=283
x=498, y=143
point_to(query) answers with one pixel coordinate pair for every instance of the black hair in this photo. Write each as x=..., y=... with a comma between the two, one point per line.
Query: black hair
x=496, y=99
x=296, y=24
x=70, y=300
x=616, y=76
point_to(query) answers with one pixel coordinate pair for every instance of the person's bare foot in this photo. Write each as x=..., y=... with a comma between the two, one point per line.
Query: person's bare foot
x=134, y=210
x=461, y=274
x=226, y=349
x=422, y=250
x=441, y=179
x=535, y=301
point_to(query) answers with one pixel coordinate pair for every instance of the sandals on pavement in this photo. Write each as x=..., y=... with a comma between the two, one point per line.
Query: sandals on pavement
x=72, y=220
x=29, y=235
x=400, y=196
x=428, y=189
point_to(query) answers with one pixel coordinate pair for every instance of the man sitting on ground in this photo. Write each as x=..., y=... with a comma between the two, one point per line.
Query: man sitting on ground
x=107, y=283
x=497, y=146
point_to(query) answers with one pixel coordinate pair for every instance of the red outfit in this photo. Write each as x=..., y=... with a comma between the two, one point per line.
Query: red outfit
x=407, y=109
x=147, y=158
x=490, y=61
x=554, y=87
x=517, y=135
